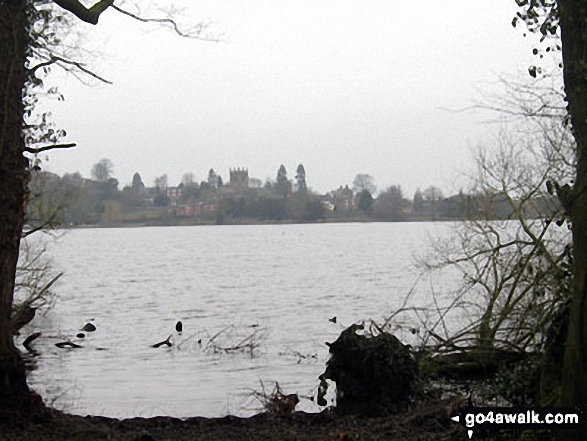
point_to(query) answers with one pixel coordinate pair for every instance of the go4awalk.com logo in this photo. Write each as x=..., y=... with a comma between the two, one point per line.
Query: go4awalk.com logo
x=490, y=419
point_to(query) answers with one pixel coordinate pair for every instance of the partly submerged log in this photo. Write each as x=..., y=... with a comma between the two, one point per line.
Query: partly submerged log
x=166, y=342
x=68, y=344
x=29, y=340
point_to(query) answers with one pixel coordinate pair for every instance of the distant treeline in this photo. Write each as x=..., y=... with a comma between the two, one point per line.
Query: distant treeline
x=72, y=200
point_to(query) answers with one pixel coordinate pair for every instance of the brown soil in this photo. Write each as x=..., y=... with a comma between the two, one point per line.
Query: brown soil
x=428, y=421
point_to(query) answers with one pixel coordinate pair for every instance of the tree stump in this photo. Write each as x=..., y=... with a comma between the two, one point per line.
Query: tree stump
x=374, y=374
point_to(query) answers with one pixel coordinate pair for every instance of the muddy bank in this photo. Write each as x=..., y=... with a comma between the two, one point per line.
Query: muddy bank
x=428, y=421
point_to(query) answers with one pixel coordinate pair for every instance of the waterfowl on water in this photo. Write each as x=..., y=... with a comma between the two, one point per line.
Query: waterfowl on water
x=179, y=326
x=89, y=327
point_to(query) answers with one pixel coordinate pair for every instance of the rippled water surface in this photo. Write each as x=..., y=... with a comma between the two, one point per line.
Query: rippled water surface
x=277, y=285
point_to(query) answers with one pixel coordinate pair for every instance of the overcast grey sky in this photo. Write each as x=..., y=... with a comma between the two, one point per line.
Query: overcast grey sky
x=341, y=86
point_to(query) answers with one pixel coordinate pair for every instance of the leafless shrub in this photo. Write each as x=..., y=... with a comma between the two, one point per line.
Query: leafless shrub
x=34, y=281
x=232, y=340
x=276, y=402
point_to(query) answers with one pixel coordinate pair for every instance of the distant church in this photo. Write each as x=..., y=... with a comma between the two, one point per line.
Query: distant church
x=239, y=178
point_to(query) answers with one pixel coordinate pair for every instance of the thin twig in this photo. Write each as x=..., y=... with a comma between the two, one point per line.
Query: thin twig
x=55, y=59
x=48, y=223
x=168, y=21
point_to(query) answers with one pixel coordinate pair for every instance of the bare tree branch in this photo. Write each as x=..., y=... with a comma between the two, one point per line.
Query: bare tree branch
x=196, y=35
x=49, y=223
x=38, y=150
x=55, y=59
x=89, y=15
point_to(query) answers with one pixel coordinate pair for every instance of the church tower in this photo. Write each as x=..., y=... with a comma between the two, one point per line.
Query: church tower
x=239, y=178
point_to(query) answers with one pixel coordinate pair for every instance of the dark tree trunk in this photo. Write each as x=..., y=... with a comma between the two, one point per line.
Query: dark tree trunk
x=573, y=25
x=13, y=182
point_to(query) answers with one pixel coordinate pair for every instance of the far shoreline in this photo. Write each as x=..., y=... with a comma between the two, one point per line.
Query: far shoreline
x=250, y=222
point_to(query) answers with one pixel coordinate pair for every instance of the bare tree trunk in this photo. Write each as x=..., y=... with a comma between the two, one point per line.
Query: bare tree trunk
x=573, y=25
x=13, y=181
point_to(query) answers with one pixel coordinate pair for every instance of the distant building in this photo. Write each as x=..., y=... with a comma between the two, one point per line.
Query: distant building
x=195, y=207
x=328, y=205
x=174, y=193
x=239, y=179
x=342, y=198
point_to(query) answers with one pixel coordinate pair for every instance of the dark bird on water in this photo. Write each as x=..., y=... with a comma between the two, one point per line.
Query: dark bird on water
x=333, y=319
x=89, y=327
x=179, y=326
x=164, y=342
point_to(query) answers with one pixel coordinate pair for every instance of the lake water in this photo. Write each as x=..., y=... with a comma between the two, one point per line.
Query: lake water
x=275, y=286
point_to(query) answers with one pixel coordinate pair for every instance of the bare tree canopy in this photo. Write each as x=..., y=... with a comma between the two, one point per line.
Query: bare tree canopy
x=102, y=170
x=363, y=182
